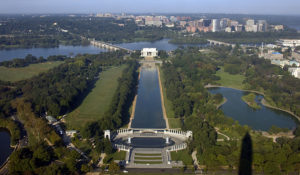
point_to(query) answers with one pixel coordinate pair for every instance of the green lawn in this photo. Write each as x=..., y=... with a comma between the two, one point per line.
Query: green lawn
x=174, y=122
x=97, y=101
x=145, y=154
x=228, y=80
x=119, y=155
x=22, y=73
x=182, y=155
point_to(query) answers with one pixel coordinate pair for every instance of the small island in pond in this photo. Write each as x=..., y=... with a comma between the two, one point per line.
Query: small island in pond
x=250, y=100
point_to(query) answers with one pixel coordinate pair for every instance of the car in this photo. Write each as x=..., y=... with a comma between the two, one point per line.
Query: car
x=125, y=171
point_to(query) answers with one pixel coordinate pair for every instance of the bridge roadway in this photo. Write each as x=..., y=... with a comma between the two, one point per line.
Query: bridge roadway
x=108, y=46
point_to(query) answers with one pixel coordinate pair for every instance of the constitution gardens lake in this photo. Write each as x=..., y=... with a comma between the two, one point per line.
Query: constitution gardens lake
x=4, y=146
x=257, y=119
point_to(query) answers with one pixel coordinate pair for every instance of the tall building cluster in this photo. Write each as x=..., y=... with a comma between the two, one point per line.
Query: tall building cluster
x=188, y=24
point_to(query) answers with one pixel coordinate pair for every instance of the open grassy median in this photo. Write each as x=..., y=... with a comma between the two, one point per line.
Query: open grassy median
x=183, y=156
x=22, y=73
x=229, y=80
x=147, y=158
x=97, y=101
x=145, y=154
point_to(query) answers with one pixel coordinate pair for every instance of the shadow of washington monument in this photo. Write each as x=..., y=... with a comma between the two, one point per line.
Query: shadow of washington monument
x=245, y=166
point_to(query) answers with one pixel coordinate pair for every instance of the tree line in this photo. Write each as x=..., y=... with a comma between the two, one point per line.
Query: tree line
x=30, y=59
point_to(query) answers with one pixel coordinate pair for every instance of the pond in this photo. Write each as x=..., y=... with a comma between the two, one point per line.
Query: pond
x=148, y=142
x=260, y=119
x=4, y=146
x=148, y=111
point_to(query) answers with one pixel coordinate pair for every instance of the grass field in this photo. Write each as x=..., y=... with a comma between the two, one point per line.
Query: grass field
x=97, y=101
x=228, y=80
x=182, y=155
x=22, y=73
x=173, y=122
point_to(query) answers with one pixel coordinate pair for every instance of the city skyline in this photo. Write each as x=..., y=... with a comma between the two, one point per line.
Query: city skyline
x=276, y=7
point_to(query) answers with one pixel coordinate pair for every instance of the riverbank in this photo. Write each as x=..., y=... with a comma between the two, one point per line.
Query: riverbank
x=222, y=103
x=162, y=99
x=263, y=101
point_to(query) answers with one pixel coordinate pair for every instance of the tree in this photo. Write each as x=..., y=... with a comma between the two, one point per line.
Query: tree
x=114, y=167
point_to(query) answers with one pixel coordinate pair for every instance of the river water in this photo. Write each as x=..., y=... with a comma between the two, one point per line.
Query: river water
x=74, y=50
x=260, y=119
x=5, y=149
x=45, y=52
x=148, y=111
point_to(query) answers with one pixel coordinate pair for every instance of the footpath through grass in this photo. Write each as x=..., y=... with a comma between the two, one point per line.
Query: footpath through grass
x=22, y=73
x=173, y=122
x=97, y=101
x=228, y=80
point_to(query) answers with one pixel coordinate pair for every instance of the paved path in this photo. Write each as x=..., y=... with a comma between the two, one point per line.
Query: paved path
x=102, y=156
x=162, y=100
x=227, y=137
x=194, y=157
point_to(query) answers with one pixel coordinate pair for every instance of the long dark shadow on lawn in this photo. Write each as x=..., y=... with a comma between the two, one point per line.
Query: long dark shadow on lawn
x=245, y=166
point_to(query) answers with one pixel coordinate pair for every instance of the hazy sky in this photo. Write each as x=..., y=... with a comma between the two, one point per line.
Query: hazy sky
x=152, y=6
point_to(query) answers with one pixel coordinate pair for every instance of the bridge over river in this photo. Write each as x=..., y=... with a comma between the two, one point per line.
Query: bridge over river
x=108, y=46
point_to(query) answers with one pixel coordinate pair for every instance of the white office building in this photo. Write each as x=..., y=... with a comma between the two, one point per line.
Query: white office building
x=215, y=25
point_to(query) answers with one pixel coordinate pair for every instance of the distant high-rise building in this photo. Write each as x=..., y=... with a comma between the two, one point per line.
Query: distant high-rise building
x=250, y=22
x=239, y=28
x=262, y=25
x=215, y=25
x=206, y=22
x=224, y=23
x=234, y=23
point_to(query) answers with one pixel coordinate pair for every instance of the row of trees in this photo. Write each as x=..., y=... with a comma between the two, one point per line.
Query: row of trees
x=31, y=41
x=251, y=37
x=30, y=59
